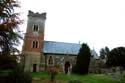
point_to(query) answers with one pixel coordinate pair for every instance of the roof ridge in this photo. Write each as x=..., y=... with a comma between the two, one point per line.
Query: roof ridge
x=61, y=42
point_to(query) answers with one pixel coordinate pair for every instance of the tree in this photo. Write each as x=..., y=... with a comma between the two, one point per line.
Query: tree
x=104, y=52
x=7, y=62
x=116, y=57
x=83, y=60
x=9, y=38
x=9, y=30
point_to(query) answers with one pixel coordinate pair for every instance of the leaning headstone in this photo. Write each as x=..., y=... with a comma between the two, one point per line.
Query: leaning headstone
x=74, y=81
x=116, y=77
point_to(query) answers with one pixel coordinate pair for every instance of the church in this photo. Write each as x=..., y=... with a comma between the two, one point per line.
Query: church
x=40, y=55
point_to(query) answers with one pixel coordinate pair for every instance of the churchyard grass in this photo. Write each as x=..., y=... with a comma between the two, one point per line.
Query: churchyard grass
x=40, y=75
x=62, y=78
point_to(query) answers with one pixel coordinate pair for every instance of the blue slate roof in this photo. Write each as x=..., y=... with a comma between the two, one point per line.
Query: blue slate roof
x=61, y=48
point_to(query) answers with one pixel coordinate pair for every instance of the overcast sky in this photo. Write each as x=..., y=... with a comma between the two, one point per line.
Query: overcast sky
x=98, y=23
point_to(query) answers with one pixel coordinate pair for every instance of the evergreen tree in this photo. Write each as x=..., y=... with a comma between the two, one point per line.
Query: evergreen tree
x=83, y=60
x=116, y=57
x=9, y=30
x=104, y=52
x=10, y=70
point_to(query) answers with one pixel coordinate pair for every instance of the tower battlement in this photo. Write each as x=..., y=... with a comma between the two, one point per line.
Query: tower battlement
x=42, y=15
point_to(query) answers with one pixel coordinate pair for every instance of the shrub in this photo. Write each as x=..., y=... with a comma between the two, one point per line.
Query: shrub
x=19, y=76
x=53, y=72
x=74, y=69
x=16, y=75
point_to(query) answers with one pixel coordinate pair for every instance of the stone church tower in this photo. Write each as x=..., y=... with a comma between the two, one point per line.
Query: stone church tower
x=33, y=41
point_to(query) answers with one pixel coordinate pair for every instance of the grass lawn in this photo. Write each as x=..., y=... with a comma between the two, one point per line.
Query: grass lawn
x=62, y=78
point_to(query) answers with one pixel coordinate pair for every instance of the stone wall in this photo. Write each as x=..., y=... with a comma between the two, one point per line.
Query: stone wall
x=32, y=58
x=60, y=60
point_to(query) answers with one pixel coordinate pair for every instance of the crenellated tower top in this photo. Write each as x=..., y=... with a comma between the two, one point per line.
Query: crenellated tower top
x=42, y=15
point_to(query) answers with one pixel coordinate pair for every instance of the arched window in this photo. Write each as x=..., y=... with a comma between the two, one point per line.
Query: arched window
x=35, y=44
x=35, y=27
x=50, y=60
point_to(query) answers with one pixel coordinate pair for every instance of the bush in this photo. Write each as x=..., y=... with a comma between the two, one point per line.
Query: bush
x=19, y=76
x=23, y=77
x=7, y=62
x=74, y=69
x=16, y=75
x=53, y=72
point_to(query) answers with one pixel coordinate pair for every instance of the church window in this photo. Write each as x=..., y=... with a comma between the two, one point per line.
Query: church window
x=35, y=27
x=50, y=60
x=35, y=44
